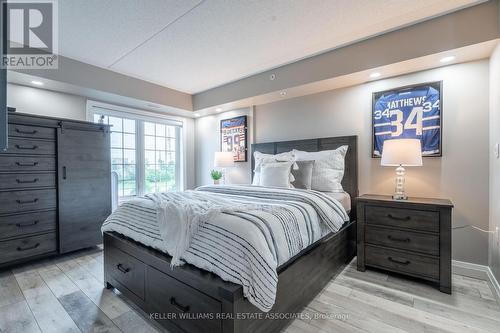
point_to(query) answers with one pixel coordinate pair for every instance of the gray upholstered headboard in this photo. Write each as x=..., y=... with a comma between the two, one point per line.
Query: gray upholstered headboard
x=350, y=180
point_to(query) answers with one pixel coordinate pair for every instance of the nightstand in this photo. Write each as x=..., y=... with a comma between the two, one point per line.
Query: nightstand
x=411, y=237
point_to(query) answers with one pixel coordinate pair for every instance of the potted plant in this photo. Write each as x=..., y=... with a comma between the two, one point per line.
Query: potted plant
x=216, y=176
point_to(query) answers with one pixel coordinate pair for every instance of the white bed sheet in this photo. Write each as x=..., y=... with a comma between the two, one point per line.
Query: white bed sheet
x=343, y=197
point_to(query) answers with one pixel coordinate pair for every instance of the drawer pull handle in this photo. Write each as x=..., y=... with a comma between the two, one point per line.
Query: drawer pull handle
x=122, y=269
x=401, y=240
x=26, y=132
x=178, y=306
x=28, y=248
x=24, y=202
x=26, y=164
x=406, y=218
x=406, y=262
x=20, y=225
x=26, y=147
x=19, y=181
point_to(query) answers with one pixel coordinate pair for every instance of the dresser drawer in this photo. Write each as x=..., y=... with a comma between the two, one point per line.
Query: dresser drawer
x=27, y=247
x=403, y=218
x=26, y=163
x=402, y=262
x=127, y=270
x=168, y=295
x=30, y=147
x=405, y=240
x=21, y=201
x=27, y=131
x=23, y=224
x=27, y=180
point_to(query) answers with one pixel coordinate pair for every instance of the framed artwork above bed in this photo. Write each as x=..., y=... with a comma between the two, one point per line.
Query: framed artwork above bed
x=410, y=112
x=233, y=137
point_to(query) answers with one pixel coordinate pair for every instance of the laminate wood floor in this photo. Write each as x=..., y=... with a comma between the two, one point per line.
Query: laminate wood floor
x=66, y=294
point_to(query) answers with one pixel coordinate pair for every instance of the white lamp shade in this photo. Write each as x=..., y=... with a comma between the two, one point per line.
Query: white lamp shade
x=223, y=159
x=405, y=152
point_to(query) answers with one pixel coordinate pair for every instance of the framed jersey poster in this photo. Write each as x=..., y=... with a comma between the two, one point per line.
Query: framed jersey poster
x=234, y=137
x=411, y=112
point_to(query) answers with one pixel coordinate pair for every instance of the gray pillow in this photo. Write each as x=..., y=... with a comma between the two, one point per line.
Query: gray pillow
x=303, y=176
x=275, y=174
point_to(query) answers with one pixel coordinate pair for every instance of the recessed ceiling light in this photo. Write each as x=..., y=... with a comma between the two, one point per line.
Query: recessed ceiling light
x=218, y=110
x=196, y=114
x=375, y=75
x=283, y=93
x=447, y=59
x=37, y=83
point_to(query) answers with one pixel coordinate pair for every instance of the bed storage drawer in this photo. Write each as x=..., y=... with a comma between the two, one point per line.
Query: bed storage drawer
x=27, y=247
x=399, y=217
x=402, y=262
x=167, y=295
x=25, y=224
x=126, y=270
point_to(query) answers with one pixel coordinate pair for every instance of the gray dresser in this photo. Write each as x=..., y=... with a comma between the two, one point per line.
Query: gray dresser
x=55, y=187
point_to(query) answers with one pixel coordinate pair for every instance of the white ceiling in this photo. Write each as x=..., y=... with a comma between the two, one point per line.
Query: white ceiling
x=195, y=45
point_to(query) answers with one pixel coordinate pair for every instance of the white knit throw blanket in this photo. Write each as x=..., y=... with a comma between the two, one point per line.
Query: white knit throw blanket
x=180, y=215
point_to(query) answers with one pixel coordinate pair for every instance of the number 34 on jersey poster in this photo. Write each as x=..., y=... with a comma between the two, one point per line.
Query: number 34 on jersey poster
x=412, y=112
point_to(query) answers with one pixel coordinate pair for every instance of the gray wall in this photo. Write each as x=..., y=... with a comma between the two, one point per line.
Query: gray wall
x=461, y=174
x=189, y=151
x=46, y=103
x=207, y=143
x=494, y=253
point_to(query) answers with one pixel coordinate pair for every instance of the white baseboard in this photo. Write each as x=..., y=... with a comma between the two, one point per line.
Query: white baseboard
x=476, y=271
x=471, y=270
x=494, y=282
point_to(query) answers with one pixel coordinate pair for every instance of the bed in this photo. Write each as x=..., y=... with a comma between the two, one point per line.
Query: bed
x=190, y=299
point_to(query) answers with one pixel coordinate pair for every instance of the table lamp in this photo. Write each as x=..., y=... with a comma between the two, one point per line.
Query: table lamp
x=223, y=160
x=401, y=153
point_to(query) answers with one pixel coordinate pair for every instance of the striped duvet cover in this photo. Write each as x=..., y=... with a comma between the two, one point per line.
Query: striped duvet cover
x=245, y=244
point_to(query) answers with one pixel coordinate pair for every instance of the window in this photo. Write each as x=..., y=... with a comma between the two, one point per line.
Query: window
x=123, y=152
x=145, y=152
x=159, y=157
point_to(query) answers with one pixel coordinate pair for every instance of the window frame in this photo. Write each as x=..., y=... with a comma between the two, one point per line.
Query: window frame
x=140, y=118
x=136, y=122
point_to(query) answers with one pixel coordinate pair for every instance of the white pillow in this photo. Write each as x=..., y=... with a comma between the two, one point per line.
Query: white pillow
x=328, y=169
x=276, y=174
x=261, y=158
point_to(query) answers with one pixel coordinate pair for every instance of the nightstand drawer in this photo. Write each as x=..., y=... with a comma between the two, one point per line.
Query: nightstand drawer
x=402, y=262
x=403, y=218
x=405, y=240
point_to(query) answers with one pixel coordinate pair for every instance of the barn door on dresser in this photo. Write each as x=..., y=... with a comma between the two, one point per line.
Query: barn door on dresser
x=3, y=109
x=84, y=186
